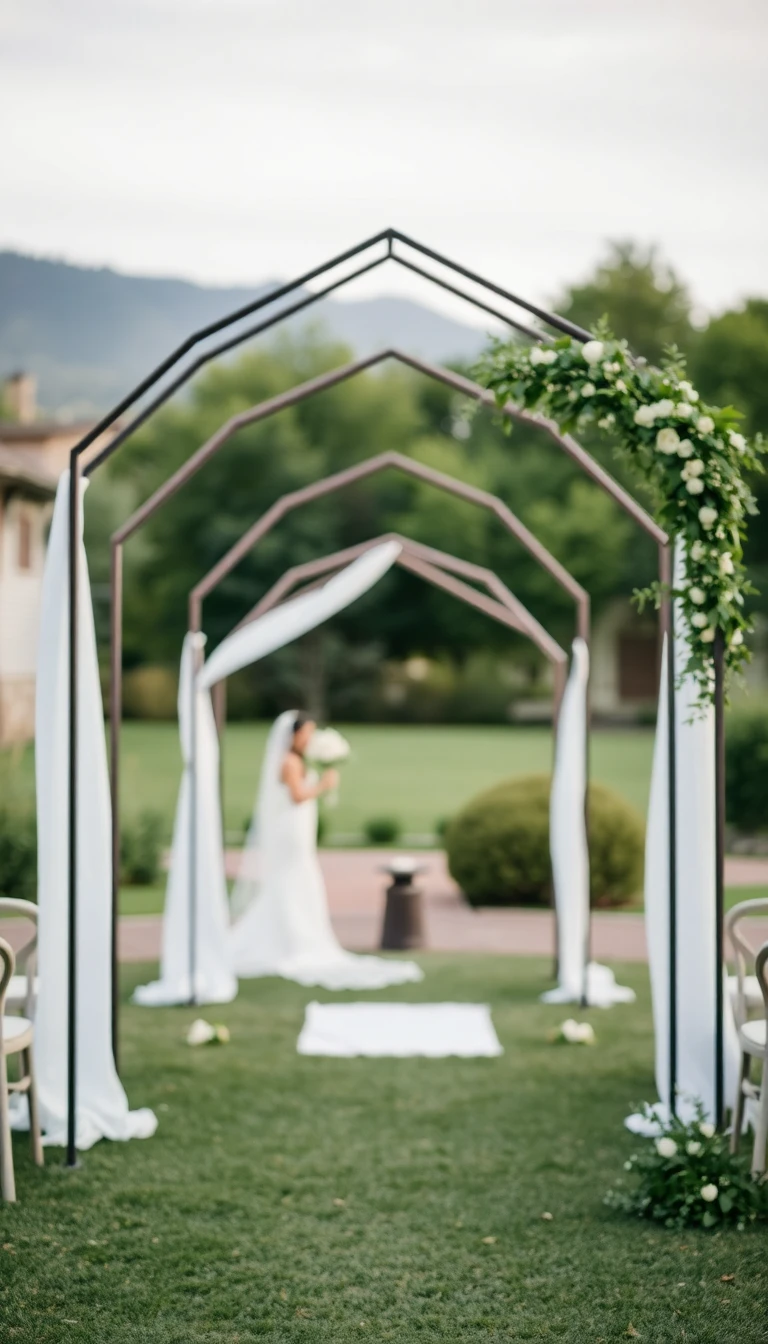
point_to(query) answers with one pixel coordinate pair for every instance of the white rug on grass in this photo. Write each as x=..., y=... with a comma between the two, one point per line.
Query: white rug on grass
x=434, y=1030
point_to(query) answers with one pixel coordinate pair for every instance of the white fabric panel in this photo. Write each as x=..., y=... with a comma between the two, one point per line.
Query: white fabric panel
x=432, y=1030
x=214, y=979
x=102, y=1106
x=695, y=866
x=570, y=854
x=287, y=623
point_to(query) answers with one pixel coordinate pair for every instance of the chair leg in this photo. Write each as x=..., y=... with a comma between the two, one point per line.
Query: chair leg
x=34, y=1115
x=761, y=1128
x=7, y=1182
x=738, y=1109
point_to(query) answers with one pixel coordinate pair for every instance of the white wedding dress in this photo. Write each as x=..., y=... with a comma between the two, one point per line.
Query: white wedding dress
x=282, y=926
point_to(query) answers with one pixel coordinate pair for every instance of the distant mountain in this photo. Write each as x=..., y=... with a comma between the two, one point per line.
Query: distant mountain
x=90, y=334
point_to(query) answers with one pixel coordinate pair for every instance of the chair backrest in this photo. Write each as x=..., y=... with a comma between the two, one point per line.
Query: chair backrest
x=761, y=971
x=26, y=957
x=7, y=967
x=744, y=951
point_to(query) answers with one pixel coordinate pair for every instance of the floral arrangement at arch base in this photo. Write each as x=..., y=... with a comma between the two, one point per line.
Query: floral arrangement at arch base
x=692, y=457
x=687, y=1177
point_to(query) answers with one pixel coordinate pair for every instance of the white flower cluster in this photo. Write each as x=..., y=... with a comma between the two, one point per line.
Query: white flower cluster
x=327, y=747
x=203, y=1033
x=543, y=354
x=575, y=1033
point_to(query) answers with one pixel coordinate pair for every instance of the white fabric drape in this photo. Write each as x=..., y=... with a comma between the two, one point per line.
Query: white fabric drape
x=570, y=854
x=695, y=827
x=102, y=1106
x=215, y=981
x=214, y=978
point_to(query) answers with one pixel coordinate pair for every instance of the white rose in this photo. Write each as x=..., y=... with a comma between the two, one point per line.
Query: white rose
x=707, y=516
x=737, y=441
x=570, y=1029
x=621, y=386
x=683, y=411
x=593, y=351
x=726, y=563
x=693, y=1148
x=666, y=1147
x=667, y=440
x=708, y=635
x=695, y=486
x=645, y=415
x=694, y=467
x=685, y=448
x=201, y=1032
x=705, y=424
x=737, y=638
x=535, y=355
x=548, y=356
x=697, y=595
x=664, y=407
x=699, y=619
x=588, y=390
x=607, y=422
x=709, y=1193
x=698, y=551
x=688, y=391
x=707, y=1130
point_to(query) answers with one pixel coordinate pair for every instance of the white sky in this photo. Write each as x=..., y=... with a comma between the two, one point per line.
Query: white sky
x=240, y=140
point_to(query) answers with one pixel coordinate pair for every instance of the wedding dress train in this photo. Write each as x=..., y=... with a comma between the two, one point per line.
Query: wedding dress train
x=284, y=928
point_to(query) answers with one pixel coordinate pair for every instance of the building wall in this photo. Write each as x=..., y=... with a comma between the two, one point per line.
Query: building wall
x=22, y=554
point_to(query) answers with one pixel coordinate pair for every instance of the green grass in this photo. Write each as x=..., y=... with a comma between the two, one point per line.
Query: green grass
x=336, y=1200
x=417, y=774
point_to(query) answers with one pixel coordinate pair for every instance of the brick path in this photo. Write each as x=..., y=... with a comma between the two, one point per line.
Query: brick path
x=356, y=898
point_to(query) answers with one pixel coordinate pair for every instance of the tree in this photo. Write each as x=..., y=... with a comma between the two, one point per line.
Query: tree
x=643, y=299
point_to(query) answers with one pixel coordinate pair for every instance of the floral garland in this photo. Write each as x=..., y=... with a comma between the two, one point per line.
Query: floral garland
x=691, y=456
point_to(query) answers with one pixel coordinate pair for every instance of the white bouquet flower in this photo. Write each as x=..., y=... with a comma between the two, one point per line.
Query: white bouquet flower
x=328, y=748
x=203, y=1033
x=571, y=1032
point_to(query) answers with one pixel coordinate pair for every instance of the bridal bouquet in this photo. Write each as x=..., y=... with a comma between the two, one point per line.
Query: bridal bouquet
x=327, y=748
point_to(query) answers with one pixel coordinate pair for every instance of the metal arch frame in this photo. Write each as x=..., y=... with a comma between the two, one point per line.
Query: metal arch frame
x=389, y=237
x=294, y=396
x=436, y=567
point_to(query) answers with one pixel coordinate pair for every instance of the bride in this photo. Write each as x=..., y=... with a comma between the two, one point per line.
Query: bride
x=284, y=928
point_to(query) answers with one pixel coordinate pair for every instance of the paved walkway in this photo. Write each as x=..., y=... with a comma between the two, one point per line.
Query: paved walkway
x=356, y=887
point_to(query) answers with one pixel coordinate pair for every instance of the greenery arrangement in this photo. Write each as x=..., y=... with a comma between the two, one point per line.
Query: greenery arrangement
x=691, y=456
x=498, y=845
x=746, y=771
x=687, y=1177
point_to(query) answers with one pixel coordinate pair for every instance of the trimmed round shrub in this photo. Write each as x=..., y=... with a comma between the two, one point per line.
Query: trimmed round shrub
x=141, y=847
x=498, y=845
x=746, y=772
x=382, y=830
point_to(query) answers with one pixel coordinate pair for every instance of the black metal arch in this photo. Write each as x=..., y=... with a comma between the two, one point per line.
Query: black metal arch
x=389, y=238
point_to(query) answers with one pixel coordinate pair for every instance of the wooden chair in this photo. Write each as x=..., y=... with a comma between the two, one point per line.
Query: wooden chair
x=16, y=1038
x=743, y=987
x=753, y=1043
x=22, y=991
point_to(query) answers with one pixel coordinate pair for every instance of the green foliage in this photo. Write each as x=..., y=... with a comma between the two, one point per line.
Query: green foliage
x=690, y=456
x=498, y=845
x=150, y=693
x=382, y=830
x=641, y=297
x=141, y=849
x=18, y=853
x=746, y=771
x=687, y=1177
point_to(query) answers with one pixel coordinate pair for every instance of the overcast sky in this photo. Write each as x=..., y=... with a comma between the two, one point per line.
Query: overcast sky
x=238, y=140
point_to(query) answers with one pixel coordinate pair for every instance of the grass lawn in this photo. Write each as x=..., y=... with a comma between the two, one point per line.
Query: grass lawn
x=417, y=774
x=337, y=1200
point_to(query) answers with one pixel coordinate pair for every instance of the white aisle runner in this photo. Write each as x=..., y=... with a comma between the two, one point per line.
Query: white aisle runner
x=434, y=1030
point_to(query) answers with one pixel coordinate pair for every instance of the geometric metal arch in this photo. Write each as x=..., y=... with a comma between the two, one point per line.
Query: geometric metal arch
x=390, y=237
x=429, y=564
